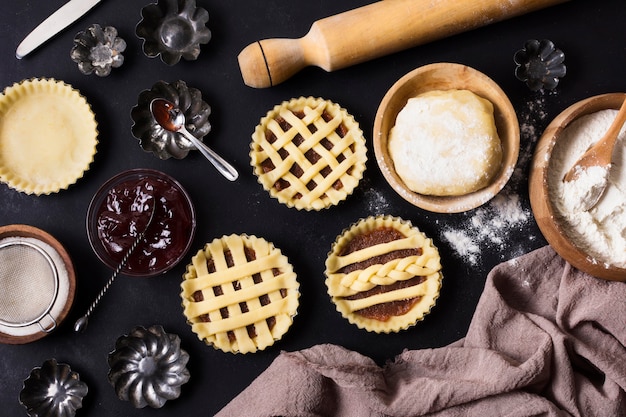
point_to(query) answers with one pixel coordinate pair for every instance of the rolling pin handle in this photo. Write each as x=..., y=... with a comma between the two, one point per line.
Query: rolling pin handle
x=271, y=61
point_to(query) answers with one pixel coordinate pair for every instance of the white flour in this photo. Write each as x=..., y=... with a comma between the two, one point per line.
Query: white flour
x=489, y=227
x=376, y=202
x=584, y=191
x=601, y=231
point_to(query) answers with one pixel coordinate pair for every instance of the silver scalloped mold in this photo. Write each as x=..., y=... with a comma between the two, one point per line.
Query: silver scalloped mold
x=53, y=390
x=540, y=64
x=173, y=29
x=148, y=367
x=98, y=50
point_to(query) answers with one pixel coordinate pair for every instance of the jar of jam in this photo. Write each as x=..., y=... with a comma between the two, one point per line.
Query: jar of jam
x=120, y=212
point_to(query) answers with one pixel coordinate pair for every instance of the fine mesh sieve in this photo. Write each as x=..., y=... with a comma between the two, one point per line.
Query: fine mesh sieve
x=29, y=283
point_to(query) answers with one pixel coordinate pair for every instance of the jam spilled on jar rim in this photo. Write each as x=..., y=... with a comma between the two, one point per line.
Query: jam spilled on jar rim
x=123, y=212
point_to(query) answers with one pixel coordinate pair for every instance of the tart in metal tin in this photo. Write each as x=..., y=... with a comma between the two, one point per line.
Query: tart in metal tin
x=308, y=153
x=240, y=294
x=383, y=261
x=48, y=136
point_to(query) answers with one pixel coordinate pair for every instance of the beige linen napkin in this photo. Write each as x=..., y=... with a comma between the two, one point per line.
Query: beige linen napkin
x=545, y=340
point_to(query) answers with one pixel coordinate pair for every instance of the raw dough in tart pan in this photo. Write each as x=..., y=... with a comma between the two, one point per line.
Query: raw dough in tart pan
x=240, y=294
x=48, y=136
x=383, y=274
x=308, y=153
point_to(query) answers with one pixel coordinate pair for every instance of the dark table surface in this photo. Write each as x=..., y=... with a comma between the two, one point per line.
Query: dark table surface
x=591, y=33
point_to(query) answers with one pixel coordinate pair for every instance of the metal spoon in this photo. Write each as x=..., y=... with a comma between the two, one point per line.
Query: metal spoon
x=172, y=118
x=81, y=323
x=599, y=155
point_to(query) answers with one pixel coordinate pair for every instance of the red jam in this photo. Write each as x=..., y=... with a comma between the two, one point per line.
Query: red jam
x=124, y=213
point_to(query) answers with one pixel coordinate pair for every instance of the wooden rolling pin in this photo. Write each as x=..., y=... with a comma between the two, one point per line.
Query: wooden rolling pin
x=373, y=31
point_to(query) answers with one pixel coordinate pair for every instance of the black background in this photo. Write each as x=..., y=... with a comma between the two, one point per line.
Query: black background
x=591, y=33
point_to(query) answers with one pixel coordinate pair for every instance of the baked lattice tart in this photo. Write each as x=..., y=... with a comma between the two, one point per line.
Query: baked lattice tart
x=240, y=294
x=308, y=153
x=383, y=274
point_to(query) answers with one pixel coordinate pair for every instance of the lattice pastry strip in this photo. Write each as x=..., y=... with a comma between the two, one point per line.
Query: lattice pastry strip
x=415, y=291
x=383, y=274
x=239, y=293
x=308, y=153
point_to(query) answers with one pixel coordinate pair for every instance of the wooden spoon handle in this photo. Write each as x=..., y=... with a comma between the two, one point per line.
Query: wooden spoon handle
x=370, y=32
x=612, y=133
x=601, y=152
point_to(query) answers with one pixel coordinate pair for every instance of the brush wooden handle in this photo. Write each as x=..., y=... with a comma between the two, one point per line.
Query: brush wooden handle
x=372, y=31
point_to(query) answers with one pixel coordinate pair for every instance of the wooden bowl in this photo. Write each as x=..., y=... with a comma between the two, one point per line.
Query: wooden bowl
x=540, y=202
x=447, y=76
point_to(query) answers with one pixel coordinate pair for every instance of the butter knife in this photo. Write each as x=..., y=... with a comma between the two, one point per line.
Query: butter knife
x=56, y=22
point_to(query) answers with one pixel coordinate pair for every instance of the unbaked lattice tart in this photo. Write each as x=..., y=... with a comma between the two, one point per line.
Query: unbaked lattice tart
x=240, y=294
x=383, y=274
x=308, y=153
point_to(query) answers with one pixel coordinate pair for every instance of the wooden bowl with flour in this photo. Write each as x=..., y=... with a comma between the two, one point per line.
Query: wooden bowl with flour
x=562, y=142
x=442, y=77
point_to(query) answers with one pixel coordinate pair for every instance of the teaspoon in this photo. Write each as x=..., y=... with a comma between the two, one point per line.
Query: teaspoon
x=171, y=118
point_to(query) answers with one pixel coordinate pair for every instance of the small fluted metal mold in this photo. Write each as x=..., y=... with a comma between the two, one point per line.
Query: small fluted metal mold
x=173, y=29
x=148, y=367
x=53, y=390
x=98, y=50
x=162, y=142
x=540, y=64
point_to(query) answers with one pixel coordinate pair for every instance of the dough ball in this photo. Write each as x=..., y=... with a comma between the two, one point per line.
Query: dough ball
x=445, y=143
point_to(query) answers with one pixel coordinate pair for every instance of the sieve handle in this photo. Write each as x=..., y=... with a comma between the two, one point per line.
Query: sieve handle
x=48, y=327
x=81, y=323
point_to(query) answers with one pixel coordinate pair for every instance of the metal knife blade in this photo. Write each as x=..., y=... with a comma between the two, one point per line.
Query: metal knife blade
x=56, y=22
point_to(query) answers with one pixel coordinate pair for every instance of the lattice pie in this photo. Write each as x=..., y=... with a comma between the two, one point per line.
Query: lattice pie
x=309, y=153
x=240, y=294
x=383, y=274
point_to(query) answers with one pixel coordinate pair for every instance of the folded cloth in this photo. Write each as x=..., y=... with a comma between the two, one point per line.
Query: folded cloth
x=545, y=340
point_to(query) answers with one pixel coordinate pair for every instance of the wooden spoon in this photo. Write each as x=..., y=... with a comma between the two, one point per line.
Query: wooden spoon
x=598, y=155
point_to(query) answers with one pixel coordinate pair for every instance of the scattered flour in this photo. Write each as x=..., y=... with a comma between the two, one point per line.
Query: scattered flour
x=376, y=202
x=465, y=245
x=489, y=226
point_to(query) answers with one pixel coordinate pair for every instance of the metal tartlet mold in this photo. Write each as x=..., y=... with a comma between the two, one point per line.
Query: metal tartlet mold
x=161, y=142
x=53, y=390
x=540, y=64
x=98, y=50
x=173, y=29
x=148, y=367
